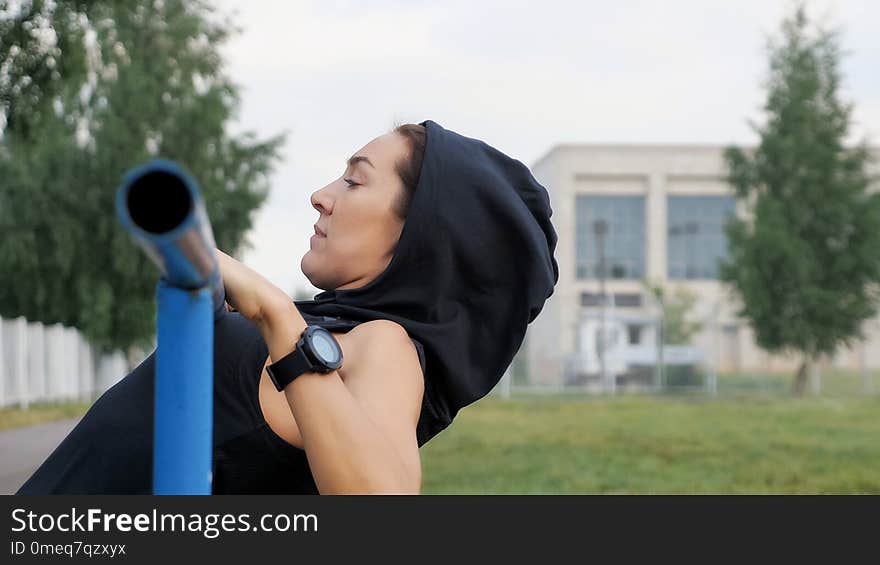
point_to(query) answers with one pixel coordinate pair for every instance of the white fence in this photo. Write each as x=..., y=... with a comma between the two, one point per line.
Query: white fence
x=41, y=363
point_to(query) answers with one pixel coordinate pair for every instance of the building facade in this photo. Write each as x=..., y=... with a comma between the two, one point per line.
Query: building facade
x=646, y=213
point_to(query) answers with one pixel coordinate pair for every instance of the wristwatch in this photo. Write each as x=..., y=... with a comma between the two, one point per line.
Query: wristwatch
x=316, y=351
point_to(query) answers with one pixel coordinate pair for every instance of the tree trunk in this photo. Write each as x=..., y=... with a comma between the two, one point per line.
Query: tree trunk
x=799, y=385
x=814, y=377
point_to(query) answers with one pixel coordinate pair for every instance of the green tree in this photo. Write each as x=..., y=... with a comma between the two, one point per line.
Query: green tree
x=678, y=328
x=43, y=65
x=806, y=264
x=144, y=79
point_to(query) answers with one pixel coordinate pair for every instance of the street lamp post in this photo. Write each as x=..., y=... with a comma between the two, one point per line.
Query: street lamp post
x=600, y=229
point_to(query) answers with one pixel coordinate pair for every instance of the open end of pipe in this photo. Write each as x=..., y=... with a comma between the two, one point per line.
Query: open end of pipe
x=158, y=202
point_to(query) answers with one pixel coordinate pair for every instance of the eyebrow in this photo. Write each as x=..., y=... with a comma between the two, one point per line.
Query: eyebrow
x=354, y=159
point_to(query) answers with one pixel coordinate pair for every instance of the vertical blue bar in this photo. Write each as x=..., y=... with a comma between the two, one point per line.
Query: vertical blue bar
x=184, y=398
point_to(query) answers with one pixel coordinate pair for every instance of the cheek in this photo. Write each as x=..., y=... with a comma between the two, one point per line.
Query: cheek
x=357, y=219
x=331, y=251
x=363, y=227
x=345, y=247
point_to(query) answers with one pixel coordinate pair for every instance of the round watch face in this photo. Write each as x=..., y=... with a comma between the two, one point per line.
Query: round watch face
x=325, y=347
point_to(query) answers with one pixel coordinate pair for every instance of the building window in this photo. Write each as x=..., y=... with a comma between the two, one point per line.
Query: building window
x=695, y=235
x=628, y=300
x=614, y=225
x=621, y=299
x=634, y=334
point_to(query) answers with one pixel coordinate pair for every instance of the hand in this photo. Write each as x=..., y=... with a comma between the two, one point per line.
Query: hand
x=247, y=291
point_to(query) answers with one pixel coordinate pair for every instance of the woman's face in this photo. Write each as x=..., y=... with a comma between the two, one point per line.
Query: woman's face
x=357, y=218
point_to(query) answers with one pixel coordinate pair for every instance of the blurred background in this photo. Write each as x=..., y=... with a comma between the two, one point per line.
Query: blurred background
x=713, y=169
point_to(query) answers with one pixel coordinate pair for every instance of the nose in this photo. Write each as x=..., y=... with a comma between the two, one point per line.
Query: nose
x=322, y=201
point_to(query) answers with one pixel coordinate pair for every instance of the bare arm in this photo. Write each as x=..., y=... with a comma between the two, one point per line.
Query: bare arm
x=357, y=423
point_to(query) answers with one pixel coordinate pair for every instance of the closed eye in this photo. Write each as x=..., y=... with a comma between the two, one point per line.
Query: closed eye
x=350, y=182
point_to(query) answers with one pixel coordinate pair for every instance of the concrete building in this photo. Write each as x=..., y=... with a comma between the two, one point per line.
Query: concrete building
x=659, y=211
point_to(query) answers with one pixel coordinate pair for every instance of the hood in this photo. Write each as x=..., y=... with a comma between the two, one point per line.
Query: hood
x=473, y=267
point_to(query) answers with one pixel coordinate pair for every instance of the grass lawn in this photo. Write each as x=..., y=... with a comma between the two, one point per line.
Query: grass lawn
x=753, y=438
x=666, y=444
x=39, y=413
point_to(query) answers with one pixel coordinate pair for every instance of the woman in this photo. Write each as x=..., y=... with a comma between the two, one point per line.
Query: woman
x=434, y=252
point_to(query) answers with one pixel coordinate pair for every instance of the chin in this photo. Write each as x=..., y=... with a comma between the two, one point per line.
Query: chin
x=304, y=266
x=314, y=277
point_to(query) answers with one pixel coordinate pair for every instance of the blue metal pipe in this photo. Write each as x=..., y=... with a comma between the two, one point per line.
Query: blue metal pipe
x=162, y=207
x=183, y=404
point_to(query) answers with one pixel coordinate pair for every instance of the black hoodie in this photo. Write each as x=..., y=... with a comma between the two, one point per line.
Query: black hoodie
x=472, y=269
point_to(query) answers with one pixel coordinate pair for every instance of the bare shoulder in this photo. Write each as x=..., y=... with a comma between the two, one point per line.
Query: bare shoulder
x=382, y=345
x=381, y=327
x=381, y=369
x=381, y=339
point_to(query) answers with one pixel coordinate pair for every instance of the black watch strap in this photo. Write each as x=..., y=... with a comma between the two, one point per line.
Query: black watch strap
x=288, y=368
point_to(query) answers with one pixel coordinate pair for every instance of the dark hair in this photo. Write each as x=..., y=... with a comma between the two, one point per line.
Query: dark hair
x=410, y=168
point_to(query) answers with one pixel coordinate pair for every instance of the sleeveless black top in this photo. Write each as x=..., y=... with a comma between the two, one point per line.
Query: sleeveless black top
x=110, y=451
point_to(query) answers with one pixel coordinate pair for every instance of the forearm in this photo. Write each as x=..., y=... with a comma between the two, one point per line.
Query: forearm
x=246, y=289
x=347, y=452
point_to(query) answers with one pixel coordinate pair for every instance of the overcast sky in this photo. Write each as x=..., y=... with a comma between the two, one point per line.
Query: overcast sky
x=522, y=76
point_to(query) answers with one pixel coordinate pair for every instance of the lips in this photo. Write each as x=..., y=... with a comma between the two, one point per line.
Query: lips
x=319, y=232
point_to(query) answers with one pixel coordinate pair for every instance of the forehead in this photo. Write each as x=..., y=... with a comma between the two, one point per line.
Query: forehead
x=383, y=151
